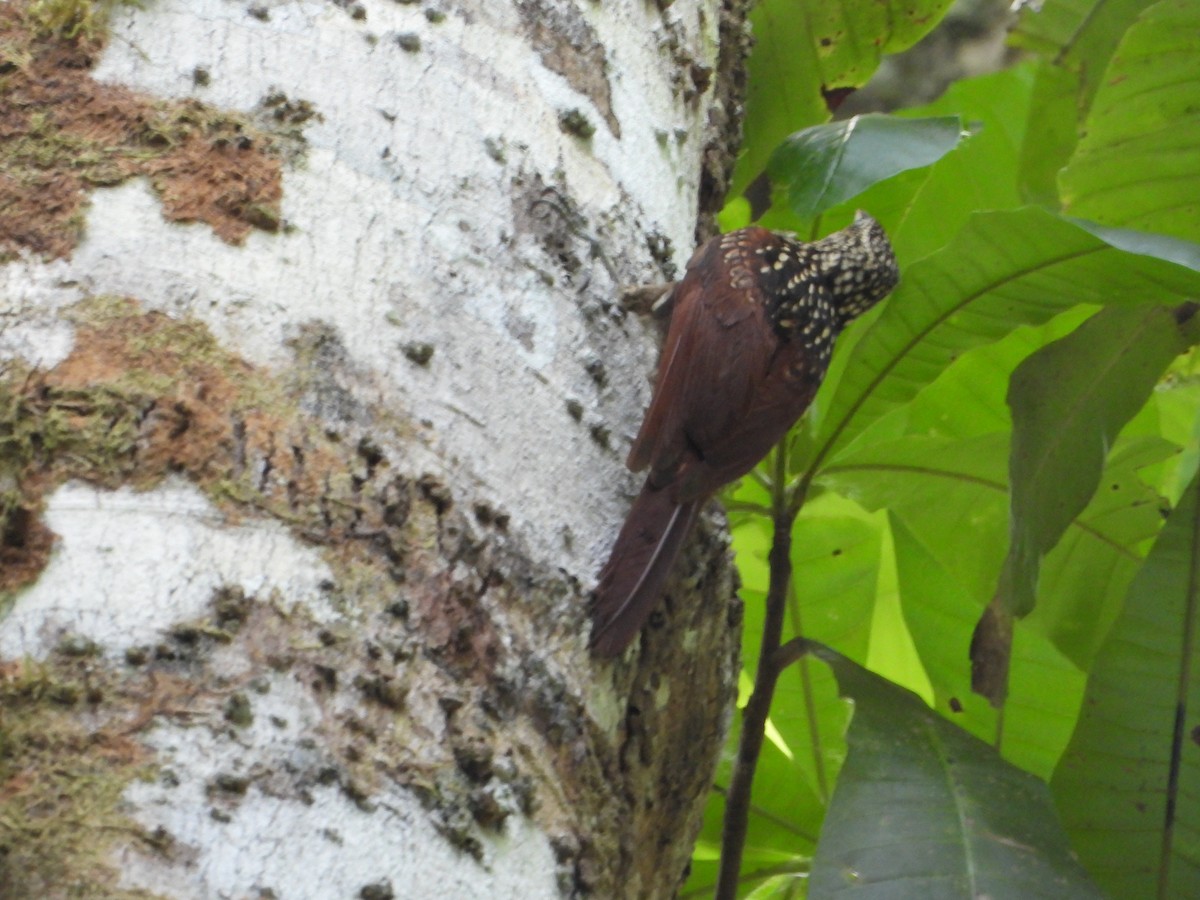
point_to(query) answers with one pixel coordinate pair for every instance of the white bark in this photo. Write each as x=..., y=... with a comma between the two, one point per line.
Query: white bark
x=439, y=201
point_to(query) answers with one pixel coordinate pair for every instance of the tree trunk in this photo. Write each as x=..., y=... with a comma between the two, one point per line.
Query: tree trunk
x=311, y=445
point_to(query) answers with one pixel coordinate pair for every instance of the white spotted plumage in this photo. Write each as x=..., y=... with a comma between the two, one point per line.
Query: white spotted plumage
x=813, y=290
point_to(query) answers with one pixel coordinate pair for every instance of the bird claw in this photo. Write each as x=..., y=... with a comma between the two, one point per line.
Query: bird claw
x=648, y=299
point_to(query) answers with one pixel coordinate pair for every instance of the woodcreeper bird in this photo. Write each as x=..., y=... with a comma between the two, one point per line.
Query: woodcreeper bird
x=753, y=324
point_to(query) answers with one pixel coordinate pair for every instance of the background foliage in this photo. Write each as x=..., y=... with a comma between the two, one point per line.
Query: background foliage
x=1016, y=431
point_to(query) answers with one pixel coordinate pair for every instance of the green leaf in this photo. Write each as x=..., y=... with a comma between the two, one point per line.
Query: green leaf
x=924, y=208
x=779, y=886
x=1085, y=577
x=1160, y=246
x=968, y=399
x=979, y=174
x=1078, y=36
x=1075, y=39
x=952, y=494
x=1135, y=164
x=1128, y=784
x=824, y=165
x=924, y=810
x=806, y=47
x=941, y=617
x=1069, y=401
x=1177, y=403
x=835, y=565
x=1051, y=135
x=1004, y=269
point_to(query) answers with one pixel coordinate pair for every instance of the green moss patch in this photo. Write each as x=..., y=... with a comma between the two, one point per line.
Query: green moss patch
x=63, y=768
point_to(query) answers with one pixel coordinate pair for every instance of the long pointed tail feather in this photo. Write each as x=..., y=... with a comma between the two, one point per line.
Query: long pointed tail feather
x=637, y=570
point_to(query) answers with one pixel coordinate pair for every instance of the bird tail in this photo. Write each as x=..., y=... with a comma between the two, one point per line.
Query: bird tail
x=637, y=570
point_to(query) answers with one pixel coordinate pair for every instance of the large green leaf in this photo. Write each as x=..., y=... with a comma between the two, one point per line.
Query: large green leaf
x=1077, y=36
x=1136, y=163
x=1085, y=577
x=979, y=174
x=952, y=497
x=1051, y=134
x=1069, y=401
x=1004, y=269
x=804, y=48
x=924, y=810
x=835, y=567
x=1075, y=39
x=923, y=208
x=1128, y=786
x=968, y=399
x=824, y=165
x=951, y=493
x=941, y=617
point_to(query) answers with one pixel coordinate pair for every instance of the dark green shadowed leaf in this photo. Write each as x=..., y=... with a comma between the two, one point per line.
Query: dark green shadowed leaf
x=924, y=810
x=1069, y=401
x=1083, y=580
x=825, y=165
x=1129, y=784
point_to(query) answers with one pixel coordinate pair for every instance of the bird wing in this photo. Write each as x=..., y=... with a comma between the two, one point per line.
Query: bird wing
x=646, y=446
x=783, y=379
x=791, y=383
x=717, y=350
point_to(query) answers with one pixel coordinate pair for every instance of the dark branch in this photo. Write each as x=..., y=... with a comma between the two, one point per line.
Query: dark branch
x=754, y=717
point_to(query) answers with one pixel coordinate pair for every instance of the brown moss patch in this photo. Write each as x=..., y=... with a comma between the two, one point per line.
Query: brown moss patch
x=63, y=134
x=161, y=389
x=143, y=396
